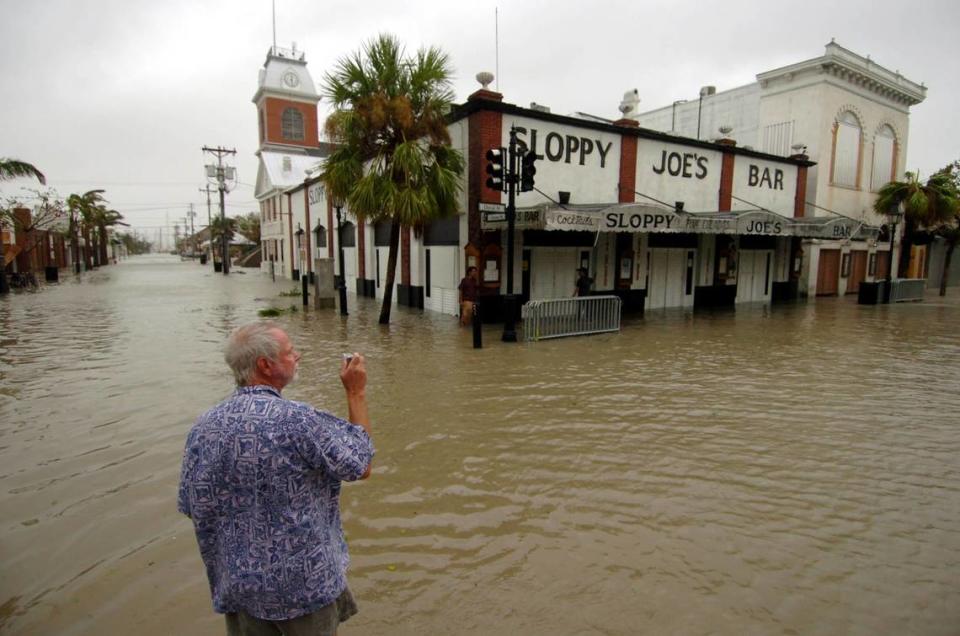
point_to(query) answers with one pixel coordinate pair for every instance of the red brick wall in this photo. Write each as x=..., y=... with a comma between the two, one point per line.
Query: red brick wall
x=485, y=131
x=800, y=203
x=628, y=163
x=404, y=255
x=274, y=108
x=726, y=182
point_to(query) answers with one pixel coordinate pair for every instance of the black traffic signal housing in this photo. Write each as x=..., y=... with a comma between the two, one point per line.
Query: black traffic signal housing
x=495, y=168
x=528, y=169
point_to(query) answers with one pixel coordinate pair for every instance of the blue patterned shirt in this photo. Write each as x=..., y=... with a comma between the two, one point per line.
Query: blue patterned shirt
x=261, y=481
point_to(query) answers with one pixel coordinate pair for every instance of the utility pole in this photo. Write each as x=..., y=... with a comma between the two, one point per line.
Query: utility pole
x=209, y=228
x=222, y=174
x=193, y=231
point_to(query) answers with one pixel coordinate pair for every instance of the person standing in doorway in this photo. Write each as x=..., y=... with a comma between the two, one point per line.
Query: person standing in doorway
x=583, y=283
x=261, y=481
x=468, y=295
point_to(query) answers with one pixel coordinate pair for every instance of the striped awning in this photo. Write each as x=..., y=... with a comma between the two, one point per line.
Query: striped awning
x=643, y=217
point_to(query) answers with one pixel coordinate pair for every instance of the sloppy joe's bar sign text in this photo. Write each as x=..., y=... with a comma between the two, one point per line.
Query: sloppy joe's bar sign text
x=566, y=148
x=674, y=172
x=316, y=193
x=765, y=184
x=758, y=223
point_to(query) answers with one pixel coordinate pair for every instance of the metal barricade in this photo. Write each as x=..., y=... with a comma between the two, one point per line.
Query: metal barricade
x=907, y=289
x=578, y=316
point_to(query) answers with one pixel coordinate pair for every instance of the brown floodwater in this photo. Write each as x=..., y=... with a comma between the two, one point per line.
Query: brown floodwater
x=785, y=470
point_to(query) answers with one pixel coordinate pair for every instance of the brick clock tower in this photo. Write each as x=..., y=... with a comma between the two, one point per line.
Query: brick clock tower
x=286, y=101
x=289, y=147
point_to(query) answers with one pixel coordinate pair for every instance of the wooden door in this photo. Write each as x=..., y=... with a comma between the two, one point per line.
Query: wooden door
x=828, y=273
x=858, y=270
x=883, y=265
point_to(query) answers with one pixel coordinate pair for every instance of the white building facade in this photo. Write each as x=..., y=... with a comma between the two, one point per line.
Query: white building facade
x=849, y=115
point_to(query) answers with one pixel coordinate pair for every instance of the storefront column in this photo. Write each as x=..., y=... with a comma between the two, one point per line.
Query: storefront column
x=628, y=162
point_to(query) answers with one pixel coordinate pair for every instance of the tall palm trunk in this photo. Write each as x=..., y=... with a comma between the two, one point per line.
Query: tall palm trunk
x=391, y=272
x=946, y=268
x=75, y=246
x=4, y=285
x=87, y=245
x=103, y=245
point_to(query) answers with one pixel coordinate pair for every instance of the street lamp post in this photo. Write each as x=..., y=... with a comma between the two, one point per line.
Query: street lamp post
x=343, y=277
x=304, y=279
x=894, y=214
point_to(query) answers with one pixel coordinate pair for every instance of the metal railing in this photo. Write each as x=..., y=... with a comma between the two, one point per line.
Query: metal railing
x=907, y=289
x=579, y=316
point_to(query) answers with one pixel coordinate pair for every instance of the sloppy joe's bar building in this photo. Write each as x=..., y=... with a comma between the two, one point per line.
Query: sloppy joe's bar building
x=659, y=220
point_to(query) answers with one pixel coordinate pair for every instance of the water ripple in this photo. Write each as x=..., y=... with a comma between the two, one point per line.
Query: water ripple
x=789, y=470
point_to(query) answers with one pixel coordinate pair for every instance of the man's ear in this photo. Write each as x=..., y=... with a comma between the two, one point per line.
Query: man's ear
x=263, y=367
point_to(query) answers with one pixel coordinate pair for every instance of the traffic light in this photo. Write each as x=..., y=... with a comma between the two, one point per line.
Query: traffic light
x=495, y=168
x=527, y=170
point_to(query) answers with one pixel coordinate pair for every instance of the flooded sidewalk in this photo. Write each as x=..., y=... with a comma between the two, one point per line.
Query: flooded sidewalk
x=786, y=469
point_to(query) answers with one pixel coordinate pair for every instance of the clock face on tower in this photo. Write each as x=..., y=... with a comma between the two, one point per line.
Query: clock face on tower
x=291, y=80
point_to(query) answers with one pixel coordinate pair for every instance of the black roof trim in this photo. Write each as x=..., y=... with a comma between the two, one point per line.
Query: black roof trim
x=461, y=111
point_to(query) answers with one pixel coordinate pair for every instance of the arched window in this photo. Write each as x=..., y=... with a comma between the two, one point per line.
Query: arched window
x=846, y=151
x=349, y=234
x=320, y=236
x=884, y=157
x=292, y=124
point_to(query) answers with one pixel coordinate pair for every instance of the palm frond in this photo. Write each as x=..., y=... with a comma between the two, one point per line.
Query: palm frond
x=13, y=168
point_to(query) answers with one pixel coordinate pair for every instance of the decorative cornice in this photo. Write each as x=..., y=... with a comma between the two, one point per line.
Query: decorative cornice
x=854, y=69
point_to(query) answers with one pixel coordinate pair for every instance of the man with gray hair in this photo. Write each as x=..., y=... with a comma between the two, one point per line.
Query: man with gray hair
x=261, y=482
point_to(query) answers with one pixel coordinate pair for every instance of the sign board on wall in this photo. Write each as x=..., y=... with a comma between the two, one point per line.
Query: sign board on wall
x=582, y=161
x=674, y=172
x=641, y=218
x=316, y=193
x=525, y=219
x=765, y=184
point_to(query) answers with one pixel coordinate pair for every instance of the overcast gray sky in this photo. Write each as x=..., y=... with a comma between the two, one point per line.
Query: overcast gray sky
x=122, y=94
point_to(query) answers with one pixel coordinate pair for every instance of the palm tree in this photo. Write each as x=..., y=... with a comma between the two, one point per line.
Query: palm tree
x=218, y=227
x=926, y=206
x=82, y=213
x=103, y=219
x=249, y=226
x=393, y=161
x=11, y=169
x=220, y=224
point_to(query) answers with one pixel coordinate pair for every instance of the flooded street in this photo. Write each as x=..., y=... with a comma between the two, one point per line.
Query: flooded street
x=785, y=470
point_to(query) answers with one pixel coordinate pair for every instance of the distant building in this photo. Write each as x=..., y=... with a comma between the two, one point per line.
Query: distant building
x=846, y=113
